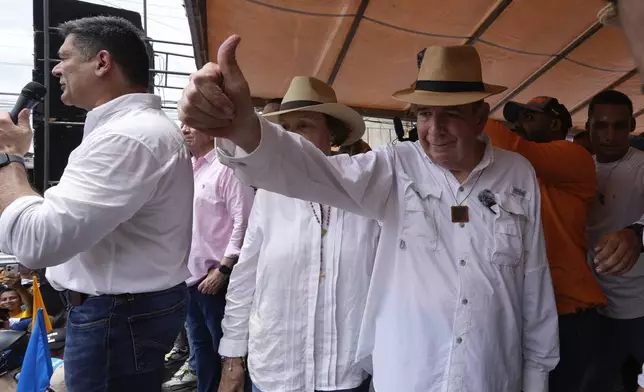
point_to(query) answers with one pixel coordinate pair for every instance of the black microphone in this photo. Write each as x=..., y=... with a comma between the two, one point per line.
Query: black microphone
x=486, y=197
x=30, y=96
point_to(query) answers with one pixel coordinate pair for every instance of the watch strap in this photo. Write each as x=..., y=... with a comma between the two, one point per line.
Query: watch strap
x=6, y=159
x=638, y=229
x=225, y=270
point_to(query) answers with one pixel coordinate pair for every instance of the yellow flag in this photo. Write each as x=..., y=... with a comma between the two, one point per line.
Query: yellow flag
x=39, y=304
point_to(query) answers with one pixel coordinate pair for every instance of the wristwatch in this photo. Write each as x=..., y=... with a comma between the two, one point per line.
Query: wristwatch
x=225, y=270
x=638, y=229
x=6, y=159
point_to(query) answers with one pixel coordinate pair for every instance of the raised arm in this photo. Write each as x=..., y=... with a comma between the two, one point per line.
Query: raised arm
x=217, y=101
x=15, y=283
x=560, y=163
x=95, y=195
x=540, y=333
x=289, y=164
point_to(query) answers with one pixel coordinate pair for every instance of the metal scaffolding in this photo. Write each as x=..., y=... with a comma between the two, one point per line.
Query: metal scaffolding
x=46, y=79
x=47, y=60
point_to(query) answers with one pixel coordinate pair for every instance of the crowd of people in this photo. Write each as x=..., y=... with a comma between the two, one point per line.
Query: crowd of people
x=486, y=256
x=15, y=299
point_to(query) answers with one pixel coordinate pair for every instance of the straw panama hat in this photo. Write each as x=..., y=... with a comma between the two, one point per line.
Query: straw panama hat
x=449, y=76
x=313, y=95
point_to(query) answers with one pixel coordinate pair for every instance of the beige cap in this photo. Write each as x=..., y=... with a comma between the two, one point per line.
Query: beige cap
x=57, y=382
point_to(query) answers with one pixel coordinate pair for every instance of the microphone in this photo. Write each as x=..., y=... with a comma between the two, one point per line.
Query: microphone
x=30, y=96
x=486, y=197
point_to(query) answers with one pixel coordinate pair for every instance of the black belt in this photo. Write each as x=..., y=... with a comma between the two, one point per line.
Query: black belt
x=74, y=298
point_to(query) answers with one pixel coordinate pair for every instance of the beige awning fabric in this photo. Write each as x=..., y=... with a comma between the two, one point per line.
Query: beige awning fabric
x=367, y=48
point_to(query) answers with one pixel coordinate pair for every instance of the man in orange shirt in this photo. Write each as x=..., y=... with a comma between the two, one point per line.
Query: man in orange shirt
x=566, y=175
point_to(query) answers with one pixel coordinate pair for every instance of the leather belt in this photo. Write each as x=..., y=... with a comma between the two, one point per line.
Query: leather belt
x=74, y=298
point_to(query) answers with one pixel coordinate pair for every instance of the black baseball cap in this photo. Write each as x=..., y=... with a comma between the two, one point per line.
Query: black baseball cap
x=548, y=105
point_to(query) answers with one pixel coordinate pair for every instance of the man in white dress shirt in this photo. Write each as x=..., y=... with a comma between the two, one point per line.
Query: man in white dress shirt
x=115, y=232
x=461, y=297
x=296, y=297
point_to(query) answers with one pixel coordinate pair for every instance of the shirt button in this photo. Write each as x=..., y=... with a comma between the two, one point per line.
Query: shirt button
x=462, y=224
x=464, y=301
x=461, y=189
x=402, y=244
x=459, y=340
x=462, y=262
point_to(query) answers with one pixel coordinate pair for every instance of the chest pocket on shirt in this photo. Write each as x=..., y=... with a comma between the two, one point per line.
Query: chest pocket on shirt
x=419, y=222
x=508, y=224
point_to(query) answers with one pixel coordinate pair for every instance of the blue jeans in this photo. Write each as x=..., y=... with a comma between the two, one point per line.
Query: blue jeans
x=118, y=342
x=192, y=362
x=205, y=313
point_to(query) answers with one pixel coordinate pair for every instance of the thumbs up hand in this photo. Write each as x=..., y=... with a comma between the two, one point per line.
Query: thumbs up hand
x=217, y=100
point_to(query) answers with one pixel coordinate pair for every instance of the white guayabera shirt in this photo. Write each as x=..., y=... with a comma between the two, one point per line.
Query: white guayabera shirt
x=451, y=307
x=296, y=298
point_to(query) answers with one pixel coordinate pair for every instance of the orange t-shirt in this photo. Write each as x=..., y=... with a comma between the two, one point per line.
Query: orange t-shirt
x=567, y=179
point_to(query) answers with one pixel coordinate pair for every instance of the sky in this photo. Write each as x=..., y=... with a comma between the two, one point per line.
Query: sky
x=166, y=21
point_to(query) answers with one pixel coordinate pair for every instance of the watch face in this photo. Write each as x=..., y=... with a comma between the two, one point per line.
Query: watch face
x=4, y=159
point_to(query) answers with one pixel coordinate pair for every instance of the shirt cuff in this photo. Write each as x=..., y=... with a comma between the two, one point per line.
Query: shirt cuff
x=232, y=251
x=232, y=254
x=233, y=156
x=8, y=220
x=534, y=380
x=640, y=378
x=233, y=348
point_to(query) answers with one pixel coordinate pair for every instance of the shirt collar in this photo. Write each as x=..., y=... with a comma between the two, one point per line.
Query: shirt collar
x=210, y=157
x=626, y=157
x=488, y=154
x=101, y=114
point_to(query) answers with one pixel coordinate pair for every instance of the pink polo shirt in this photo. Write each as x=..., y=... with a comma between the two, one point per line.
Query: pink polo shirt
x=221, y=208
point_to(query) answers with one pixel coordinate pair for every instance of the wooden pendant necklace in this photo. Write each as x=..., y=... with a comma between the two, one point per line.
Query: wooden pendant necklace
x=324, y=228
x=459, y=212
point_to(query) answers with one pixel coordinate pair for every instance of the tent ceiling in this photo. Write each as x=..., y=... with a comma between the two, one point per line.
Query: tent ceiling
x=368, y=48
